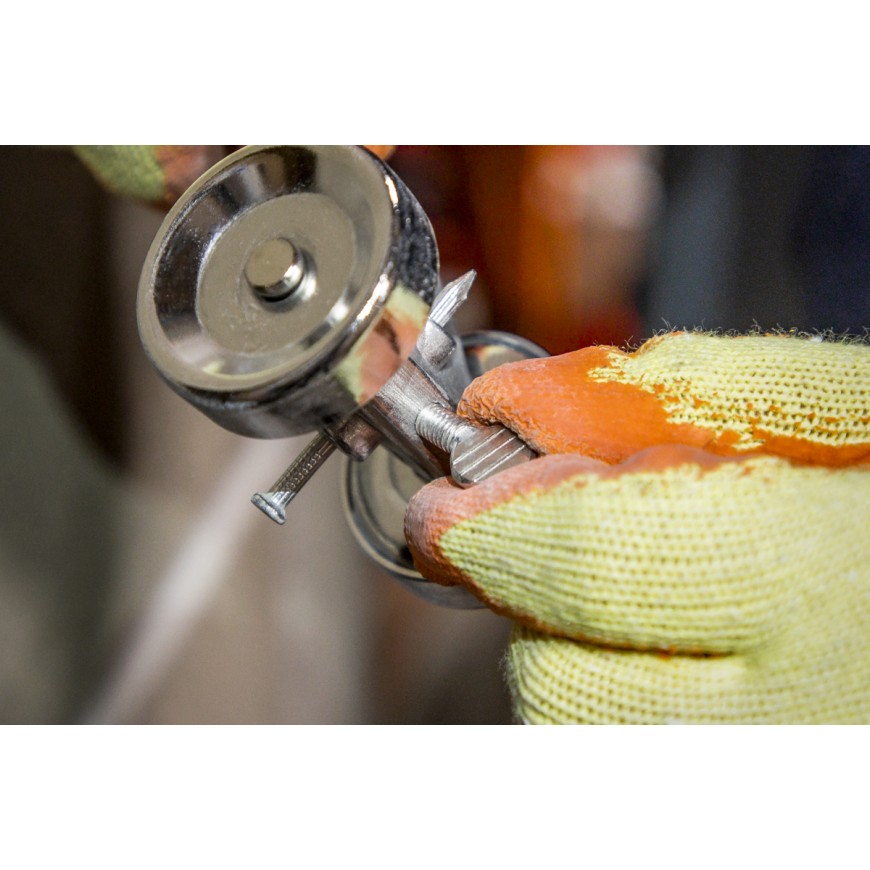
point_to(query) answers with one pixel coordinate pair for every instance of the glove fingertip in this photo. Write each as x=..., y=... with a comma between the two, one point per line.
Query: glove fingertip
x=430, y=513
x=557, y=406
x=440, y=505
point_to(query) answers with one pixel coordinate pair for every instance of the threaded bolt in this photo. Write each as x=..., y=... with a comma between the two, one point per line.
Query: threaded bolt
x=443, y=428
x=476, y=452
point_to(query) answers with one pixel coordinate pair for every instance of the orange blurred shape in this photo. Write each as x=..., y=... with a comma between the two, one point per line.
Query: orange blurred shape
x=382, y=151
x=563, y=230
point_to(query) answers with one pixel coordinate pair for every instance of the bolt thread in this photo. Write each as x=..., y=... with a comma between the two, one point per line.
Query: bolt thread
x=441, y=427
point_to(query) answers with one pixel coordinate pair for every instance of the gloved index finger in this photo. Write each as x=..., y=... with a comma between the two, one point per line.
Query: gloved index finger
x=779, y=395
x=558, y=405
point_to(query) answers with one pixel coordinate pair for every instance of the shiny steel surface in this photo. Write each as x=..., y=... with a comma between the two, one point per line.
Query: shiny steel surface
x=490, y=348
x=436, y=373
x=273, y=368
x=376, y=492
x=487, y=451
x=274, y=502
x=375, y=495
x=412, y=412
x=295, y=289
x=275, y=269
x=443, y=428
x=476, y=452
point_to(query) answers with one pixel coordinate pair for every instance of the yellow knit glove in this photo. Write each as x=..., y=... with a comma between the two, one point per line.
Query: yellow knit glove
x=154, y=173
x=159, y=173
x=696, y=551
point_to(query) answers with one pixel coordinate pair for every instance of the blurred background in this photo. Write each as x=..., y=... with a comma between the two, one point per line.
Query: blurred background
x=138, y=584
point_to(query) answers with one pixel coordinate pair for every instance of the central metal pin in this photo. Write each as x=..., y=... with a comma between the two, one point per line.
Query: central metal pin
x=275, y=269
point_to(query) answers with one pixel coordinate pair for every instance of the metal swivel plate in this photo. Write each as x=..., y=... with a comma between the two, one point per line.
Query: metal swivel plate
x=287, y=286
x=295, y=289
